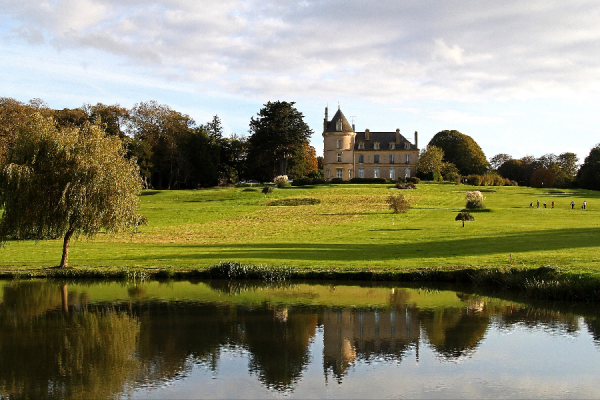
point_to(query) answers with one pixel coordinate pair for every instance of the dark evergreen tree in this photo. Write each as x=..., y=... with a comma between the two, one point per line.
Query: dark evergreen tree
x=588, y=176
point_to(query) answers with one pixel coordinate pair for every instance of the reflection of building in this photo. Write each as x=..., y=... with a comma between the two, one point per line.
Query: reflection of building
x=365, y=334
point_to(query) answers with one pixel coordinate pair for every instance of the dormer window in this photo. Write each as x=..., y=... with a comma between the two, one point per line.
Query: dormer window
x=376, y=146
x=407, y=146
x=338, y=125
x=392, y=146
x=361, y=146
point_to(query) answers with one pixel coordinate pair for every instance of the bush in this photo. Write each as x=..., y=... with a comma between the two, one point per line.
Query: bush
x=474, y=180
x=474, y=199
x=398, y=203
x=432, y=176
x=414, y=180
x=452, y=176
x=405, y=186
x=302, y=182
x=281, y=181
x=266, y=190
x=316, y=181
x=337, y=180
x=464, y=216
x=294, y=202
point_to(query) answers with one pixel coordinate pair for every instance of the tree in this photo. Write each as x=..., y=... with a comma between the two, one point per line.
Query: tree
x=542, y=178
x=398, y=203
x=513, y=170
x=588, y=176
x=13, y=116
x=303, y=163
x=60, y=182
x=462, y=151
x=498, y=160
x=276, y=135
x=464, y=216
x=430, y=160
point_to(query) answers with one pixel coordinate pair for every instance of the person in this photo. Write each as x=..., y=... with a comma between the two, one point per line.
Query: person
x=572, y=205
x=552, y=204
x=544, y=204
x=531, y=204
x=538, y=204
x=584, y=204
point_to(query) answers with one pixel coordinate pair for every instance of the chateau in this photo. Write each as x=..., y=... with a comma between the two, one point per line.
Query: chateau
x=349, y=154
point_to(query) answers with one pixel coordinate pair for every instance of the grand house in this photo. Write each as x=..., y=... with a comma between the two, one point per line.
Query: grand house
x=349, y=154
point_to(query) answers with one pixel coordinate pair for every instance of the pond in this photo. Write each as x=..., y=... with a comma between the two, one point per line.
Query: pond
x=220, y=339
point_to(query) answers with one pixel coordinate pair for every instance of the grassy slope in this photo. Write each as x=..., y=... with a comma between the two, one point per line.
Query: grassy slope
x=351, y=229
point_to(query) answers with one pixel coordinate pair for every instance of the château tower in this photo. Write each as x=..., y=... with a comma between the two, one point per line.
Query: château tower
x=338, y=138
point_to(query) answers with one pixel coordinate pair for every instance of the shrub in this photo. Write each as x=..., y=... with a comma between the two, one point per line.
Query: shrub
x=337, y=180
x=398, y=203
x=319, y=181
x=405, y=186
x=498, y=180
x=302, y=182
x=367, y=180
x=294, y=202
x=414, y=180
x=452, y=176
x=474, y=180
x=474, y=199
x=266, y=190
x=281, y=181
x=464, y=216
x=401, y=180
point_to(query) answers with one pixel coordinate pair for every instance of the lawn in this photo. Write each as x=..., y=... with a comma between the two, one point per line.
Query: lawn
x=351, y=228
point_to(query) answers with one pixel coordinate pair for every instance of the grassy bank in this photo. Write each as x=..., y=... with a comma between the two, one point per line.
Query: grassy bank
x=349, y=231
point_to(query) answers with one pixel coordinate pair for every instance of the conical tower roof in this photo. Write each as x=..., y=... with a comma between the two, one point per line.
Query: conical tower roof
x=333, y=126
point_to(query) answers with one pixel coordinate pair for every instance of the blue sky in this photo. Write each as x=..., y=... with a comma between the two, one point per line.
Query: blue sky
x=519, y=77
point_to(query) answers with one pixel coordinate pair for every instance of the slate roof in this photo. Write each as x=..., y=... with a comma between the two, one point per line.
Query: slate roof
x=384, y=139
x=331, y=125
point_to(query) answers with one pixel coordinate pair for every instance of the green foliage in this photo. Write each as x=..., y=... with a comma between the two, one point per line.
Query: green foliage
x=276, y=135
x=430, y=160
x=464, y=216
x=398, y=203
x=337, y=181
x=367, y=180
x=302, y=182
x=294, y=202
x=589, y=174
x=462, y=151
x=498, y=160
x=413, y=179
x=234, y=270
x=266, y=190
x=542, y=178
x=69, y=181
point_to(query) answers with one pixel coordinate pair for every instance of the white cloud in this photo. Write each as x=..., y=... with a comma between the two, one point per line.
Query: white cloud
x=457, y=117
x=442, y=51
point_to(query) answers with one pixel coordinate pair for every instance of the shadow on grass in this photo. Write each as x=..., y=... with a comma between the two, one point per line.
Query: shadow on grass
x=521, y=242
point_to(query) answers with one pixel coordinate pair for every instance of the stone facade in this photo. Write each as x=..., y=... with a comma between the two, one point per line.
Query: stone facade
x=349, y=154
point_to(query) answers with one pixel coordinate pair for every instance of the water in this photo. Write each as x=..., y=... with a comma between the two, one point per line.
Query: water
x=239, y=340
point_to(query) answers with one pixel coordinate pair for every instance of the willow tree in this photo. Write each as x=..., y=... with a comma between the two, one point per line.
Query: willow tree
x=65, y=182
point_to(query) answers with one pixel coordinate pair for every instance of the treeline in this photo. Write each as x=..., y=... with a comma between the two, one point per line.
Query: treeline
x=454, y=156
x=171, y=149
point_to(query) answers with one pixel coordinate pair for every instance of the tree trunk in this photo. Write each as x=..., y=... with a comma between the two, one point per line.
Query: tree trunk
x=65, y=257
x=64, y=296
x=463, y=223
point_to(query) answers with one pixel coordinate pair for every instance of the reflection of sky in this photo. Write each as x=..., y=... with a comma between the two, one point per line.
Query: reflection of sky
x=516, y=363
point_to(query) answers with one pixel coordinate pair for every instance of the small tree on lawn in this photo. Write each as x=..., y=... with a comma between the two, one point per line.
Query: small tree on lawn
x=464, y=216
x=65, y=182
x=266, y=190
x=398, y=203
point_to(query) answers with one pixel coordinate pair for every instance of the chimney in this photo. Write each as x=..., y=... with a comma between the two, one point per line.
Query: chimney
x=367, y=134
x=353, y=128
x=397, y=136
x=416, y=145
x=325, y=122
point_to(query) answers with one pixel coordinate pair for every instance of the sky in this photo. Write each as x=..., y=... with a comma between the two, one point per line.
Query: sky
x=519, y=77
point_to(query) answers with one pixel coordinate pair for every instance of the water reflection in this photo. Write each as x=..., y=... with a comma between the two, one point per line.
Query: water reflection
x=105, y=340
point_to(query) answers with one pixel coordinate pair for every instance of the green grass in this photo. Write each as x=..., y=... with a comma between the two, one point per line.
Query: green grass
x=350, y=229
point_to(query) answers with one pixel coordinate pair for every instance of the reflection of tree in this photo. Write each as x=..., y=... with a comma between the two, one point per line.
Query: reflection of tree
x=55, y=355
x=454, y=332
x=278, y=346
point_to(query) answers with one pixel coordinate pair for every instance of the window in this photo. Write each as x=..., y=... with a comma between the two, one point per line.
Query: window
x=407, y=146
x=408, y=158
x=392, y=158
x=328, y=174
x=376, y=146
x=361, y=146
x=392, y=173
x=376, y=172
x=361, y=158
x=376, y=158
x=392, y=146
x=339, y=157
x=349, y=174
x=339, y=144
x=407, y=172
x=361, y=172
x=339, y=173
x=338, y=125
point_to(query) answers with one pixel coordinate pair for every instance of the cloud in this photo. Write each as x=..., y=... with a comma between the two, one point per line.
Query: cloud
x=457, y=117
x=377, y=50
